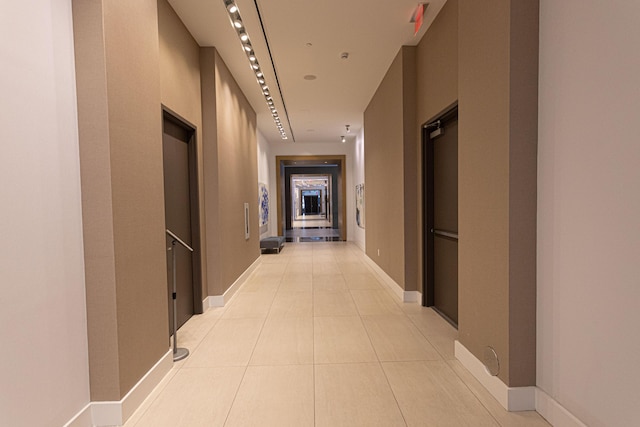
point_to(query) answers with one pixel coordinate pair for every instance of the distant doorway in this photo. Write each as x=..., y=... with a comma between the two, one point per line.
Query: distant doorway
x=311, y=202
x=181, y=215
x=440, y=165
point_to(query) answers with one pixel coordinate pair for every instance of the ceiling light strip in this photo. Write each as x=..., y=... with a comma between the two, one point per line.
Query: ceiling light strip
x=273, y=65
x=245, y=40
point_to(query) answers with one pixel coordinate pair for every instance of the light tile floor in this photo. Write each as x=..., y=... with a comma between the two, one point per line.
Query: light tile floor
x=314, y=338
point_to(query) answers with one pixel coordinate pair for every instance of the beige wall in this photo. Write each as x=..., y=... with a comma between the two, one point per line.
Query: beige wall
x=411, y=171
x=437, y=66
x=497, y=196
x=180, y=91
x=483, y=182
x=210, y=173
x=179, y=66
x=118, y=90
x=231, y=174
x=383, y=173
x=237, y=176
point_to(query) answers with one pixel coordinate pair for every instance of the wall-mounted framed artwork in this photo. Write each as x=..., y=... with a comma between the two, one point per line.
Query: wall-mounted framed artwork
x=360, y=205
x=263, y=206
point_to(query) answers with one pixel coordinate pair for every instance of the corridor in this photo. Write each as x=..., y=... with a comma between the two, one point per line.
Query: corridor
x=315, y=338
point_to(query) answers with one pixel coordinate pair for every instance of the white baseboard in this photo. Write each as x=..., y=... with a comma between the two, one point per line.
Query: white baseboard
x=413, y=297
x=118, y=412
x=213, y=301
x=221, y=300
x=82, y=418
x=511, y=398
x=395, y=288
x=556, y=414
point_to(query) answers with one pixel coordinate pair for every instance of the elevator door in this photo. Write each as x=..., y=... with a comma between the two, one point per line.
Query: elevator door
x=311, y=205
x=442, y=226
x=175, y=144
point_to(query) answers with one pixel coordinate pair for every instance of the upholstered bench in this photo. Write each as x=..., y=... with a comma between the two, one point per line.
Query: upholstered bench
x=271, y=243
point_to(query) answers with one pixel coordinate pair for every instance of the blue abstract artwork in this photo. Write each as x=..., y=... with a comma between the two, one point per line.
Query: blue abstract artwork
x=263, y=203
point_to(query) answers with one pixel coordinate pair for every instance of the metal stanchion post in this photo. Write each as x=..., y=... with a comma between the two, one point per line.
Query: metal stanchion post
x=178, y=353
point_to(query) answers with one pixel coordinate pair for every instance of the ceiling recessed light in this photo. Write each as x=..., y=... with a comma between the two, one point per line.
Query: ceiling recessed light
x=237, y=24
x=259, y=74
x=232, y=8
x=244, y=37
x=310, y=77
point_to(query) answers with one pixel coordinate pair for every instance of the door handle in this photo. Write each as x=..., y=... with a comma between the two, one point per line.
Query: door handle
x=443, y=233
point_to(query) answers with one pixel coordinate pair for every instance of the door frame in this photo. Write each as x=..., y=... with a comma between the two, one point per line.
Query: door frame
x=194, y=199
x=428, y=290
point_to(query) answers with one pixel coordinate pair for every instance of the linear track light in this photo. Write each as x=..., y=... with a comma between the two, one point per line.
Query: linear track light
x=236, y=22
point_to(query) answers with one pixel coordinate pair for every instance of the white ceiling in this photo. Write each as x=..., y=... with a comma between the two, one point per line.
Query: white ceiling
x=308, y=37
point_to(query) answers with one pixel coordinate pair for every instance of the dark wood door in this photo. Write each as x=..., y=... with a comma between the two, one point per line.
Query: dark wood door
x=442, y=216
x=177, y=194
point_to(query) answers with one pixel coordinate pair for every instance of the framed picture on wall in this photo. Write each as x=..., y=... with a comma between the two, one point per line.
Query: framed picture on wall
x=263, y=204
x=360, y=205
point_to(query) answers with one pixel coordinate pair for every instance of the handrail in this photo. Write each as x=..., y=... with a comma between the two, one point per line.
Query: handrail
x=177, y=239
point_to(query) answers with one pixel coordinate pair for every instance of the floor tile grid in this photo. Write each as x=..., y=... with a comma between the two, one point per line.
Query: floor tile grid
x=308, y=252
x=193, y=346
x=323, y=251
x=148, y=403
x=393, y=298
x=383, y=286
x=319, y=252
x=437, y=349
x=253, y=275
x=386, y=376
x=154, y=395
